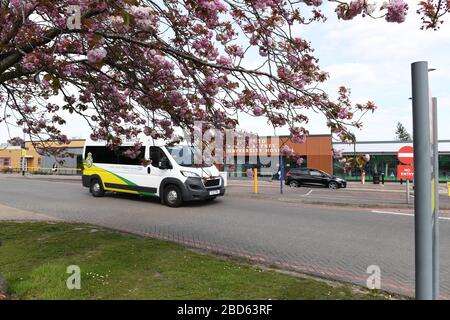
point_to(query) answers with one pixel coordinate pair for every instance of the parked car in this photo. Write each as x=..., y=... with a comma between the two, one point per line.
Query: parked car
x=312, y=177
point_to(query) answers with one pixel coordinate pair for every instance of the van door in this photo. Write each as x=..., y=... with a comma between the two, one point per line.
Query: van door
x=155, y=174
x=148, y=179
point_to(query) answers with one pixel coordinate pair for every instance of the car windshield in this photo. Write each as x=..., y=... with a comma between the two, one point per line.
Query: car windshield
x=187, y=156
x=324, y=173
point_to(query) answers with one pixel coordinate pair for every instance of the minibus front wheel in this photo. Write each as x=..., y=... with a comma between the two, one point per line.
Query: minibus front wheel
x=97, y=188
x=172, y=196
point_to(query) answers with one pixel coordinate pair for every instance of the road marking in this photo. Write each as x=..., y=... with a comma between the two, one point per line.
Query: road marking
x=403, y=214
x=393, y=213
x=374, y=190
x=305, y=195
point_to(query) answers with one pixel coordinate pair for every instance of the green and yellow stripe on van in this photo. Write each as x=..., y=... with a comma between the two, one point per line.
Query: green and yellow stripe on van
x=114, y=182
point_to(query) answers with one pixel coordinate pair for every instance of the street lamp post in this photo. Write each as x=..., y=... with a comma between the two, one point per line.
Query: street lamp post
x=422, y=200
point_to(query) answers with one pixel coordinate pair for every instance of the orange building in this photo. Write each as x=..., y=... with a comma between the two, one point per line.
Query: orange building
x=263, y=152
x=317, y=151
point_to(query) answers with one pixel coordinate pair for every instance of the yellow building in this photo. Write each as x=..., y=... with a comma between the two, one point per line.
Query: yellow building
x=11, y=158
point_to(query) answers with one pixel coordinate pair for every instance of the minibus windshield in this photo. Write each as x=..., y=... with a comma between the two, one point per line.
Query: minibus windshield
x=187, y=156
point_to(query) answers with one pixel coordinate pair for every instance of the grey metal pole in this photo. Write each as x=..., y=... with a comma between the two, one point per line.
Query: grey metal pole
x=436, y=269
x=422, y=185
x=281, y=173
x=407, y=191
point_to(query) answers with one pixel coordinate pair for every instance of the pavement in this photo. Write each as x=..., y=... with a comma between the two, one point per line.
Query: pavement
x=338, y=242
x=12, y=214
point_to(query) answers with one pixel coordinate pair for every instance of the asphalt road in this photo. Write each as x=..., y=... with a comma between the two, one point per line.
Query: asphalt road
x=339, y=243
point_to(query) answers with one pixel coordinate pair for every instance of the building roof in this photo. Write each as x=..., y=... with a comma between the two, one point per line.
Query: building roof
x=5, y=146
x=383, y=147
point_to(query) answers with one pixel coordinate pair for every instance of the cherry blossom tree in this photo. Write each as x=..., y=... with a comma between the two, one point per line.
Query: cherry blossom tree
x=128, y=66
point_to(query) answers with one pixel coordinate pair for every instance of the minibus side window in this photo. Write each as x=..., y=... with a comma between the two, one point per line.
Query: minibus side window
x=101, y=154
x=129, y=161
x=156, y=155
x=105, y=155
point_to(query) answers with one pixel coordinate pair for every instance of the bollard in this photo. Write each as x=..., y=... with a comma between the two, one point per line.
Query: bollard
x=255, y=180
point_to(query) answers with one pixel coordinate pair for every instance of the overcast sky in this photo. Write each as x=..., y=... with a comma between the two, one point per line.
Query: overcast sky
x=373, y=58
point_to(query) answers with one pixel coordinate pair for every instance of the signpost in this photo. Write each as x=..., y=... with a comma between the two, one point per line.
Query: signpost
x=406, y=155
x=423, y=180
x=255, y=180
x=406, y=171
x=23, y=161
x=281, y=173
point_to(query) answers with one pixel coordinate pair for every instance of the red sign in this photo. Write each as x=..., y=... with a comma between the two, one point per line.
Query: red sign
x=405, y=172
x=406, y=155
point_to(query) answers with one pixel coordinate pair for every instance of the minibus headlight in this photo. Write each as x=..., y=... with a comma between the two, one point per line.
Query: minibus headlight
x=190, y=174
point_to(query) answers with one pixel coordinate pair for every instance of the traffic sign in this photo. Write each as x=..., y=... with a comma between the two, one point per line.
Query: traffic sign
x=405, y=172
x=406, y=155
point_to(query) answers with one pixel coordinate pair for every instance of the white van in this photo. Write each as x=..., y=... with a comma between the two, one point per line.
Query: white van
x=168, y=172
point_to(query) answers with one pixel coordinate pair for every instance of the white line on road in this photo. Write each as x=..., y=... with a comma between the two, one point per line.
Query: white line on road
x=403, y=214
x=305, y=195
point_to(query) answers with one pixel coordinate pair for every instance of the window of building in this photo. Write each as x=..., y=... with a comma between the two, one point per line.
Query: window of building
x=444, y=166
x=5, y=162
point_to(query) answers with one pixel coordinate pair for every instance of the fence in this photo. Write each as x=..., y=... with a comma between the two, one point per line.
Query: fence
x=43, y=171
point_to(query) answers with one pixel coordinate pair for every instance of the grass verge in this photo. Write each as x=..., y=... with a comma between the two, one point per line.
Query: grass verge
x=34, y=258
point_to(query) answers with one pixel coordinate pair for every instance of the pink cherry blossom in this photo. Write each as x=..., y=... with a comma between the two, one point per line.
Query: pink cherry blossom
x=287, y=151
x=152, y=67
x=337, y=153
x=316, y=3
x=300, y=161
x=258, y=111
x=96, y=55
x=396, y=11
x=16, y=141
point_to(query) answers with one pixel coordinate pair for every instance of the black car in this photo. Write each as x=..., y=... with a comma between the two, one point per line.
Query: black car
x=312, y=177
